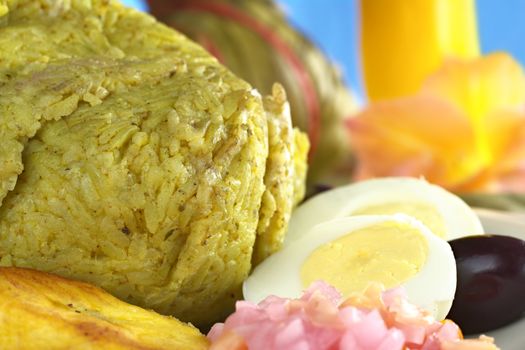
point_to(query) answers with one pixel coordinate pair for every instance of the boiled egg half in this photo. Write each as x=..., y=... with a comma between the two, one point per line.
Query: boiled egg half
x=442, y=212
x=352, y=252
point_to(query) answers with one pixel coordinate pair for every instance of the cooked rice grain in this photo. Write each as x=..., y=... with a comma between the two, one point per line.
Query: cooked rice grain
x=133, y=160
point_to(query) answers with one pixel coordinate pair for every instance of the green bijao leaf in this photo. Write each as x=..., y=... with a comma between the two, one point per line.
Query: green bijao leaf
x=514, y=202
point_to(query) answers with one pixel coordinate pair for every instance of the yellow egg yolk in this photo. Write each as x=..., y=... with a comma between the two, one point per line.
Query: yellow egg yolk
x=427, y=214
x=389, y=253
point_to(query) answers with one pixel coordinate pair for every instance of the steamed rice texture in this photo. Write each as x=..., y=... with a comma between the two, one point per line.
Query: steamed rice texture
x=130, y=158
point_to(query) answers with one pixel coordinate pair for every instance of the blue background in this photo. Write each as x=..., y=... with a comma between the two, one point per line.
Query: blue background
x=501, y=26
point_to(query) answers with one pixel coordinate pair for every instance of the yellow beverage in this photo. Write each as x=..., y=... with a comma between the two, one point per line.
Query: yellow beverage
x=403, y=41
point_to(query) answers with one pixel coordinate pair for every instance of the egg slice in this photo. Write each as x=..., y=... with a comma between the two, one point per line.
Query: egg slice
x=444, y=213
x=351, y=252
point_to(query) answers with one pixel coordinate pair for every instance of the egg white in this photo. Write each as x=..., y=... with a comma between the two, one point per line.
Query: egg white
x=432, y=288
x=459, y=219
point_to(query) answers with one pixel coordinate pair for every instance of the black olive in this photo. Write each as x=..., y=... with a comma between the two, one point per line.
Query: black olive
x=490, y=290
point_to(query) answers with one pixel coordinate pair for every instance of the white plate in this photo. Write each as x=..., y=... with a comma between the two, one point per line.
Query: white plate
x=511, y=337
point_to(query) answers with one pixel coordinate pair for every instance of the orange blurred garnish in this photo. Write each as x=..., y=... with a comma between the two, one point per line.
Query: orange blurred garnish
x=464, y=129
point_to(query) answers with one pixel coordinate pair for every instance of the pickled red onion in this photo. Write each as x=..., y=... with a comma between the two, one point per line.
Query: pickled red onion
x=376, y=320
